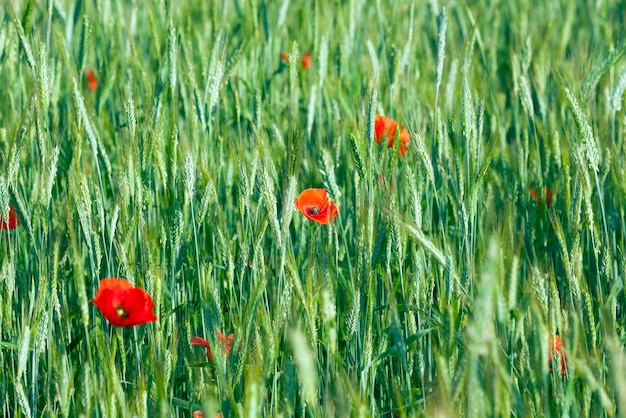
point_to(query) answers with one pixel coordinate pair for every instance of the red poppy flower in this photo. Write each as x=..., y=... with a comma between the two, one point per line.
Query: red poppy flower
x=11, y=223
x=556, y=351
x=549, y=195
x=387, y=128
x=92, y=82
x=317, y=206
x=200, y=414
x=306, y=59
x=123, y=304
x=227, y=344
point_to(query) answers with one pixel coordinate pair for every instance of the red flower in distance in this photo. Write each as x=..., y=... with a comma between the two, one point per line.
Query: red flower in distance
x=11, y=223
x=549, y=194
x=92, y=81
x=305, y=62
x=385, y=127
x=317, y=206
x=227, y=344
x=557, y=351
x=535, y=195
x=200, y=414
x=123, y=304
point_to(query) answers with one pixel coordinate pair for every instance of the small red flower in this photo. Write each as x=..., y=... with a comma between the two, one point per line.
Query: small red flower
x=306, y=59
x=549, y=194
x=11, y=223
x=556, y=352
x=123, y=304
x=92, y=82
x=200, y=414
x=385, y=127
x=317, y=206
x=227, y=344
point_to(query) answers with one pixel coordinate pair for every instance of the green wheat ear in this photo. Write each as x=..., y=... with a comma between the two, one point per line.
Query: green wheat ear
x=357, y=155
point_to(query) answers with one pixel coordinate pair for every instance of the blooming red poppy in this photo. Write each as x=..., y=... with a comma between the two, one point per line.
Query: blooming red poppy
x=305, y=62
x=92, y=82
x=556, y=352
x=227, y=344
x=317, y=206
x=549, y=195
x=385, y=127
x=123, y=304
x=11, y=223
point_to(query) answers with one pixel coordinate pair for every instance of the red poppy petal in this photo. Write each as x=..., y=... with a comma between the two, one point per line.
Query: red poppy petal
x=316, y=205
x=312, y=197
x=227, y=342
x=115, y=284
x=11, y=223
x=549, y=195
x=556, y=350
x=200, y=342
x=385, y=127
x=379, y=128
x=405, y=138
x=91, y=80
x=122, y=304
x=104, y=302
x=139, y=307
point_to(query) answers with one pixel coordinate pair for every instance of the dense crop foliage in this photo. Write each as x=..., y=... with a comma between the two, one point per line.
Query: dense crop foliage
x=463, y=255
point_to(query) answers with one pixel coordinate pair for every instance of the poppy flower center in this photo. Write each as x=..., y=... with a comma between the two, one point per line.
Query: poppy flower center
x=314, y=210
x=121, y=312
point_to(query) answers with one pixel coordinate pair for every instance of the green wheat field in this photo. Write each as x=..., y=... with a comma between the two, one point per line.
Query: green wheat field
x=165, y=142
